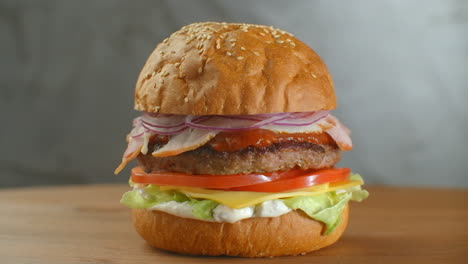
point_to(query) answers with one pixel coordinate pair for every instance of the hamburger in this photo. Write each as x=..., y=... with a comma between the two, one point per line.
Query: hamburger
x=236, y=147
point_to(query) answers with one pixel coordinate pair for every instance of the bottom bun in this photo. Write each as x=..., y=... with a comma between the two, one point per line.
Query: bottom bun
x=293, y=233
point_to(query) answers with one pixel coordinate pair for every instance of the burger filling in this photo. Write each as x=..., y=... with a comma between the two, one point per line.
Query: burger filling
x=229, y=168
x=323, y=203
x=278, y=156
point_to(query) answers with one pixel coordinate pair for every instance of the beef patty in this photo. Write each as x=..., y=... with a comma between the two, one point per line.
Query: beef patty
x=278, y=156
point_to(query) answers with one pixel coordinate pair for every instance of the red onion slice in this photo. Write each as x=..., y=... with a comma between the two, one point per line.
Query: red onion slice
x=164, y=131
x=163, y=121
x=303, y=120
x=230, y=126
x=139, y=135
x=162, y=126
x=169, y=124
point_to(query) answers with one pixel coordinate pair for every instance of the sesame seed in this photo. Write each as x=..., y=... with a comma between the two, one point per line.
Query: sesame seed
x=240, y=58
x=232, y=40
x=256, y=53
x=293, y=44
x=209, y=37
x=165, y=40
x=266, y=30
x=276, y=36
x=288, y=40
x=279, y=41
x=244, y=27
x=218, y=44
x=233, y=44
x=242, y=48
x=261, y=33
x=165, y=73
x=268, y=42
x=156, y=108
x=313, y=75
x=153, y=74
x=177, y=64
x=228, y=53
x=186, y=99
x=225, y=26
x=161, y=52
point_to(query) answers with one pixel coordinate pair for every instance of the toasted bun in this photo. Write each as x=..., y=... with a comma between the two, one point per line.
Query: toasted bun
x=290, y=234
x=226, y=69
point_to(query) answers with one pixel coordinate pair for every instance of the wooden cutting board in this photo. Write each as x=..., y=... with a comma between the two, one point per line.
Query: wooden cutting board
x=86, y=224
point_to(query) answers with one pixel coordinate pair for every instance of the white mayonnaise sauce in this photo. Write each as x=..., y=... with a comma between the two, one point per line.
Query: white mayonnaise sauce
x=271, y=208
x=223, y=213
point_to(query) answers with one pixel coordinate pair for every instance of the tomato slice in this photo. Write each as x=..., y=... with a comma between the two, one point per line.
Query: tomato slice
x=306, y=180
x=265, y=182
x=208, y=181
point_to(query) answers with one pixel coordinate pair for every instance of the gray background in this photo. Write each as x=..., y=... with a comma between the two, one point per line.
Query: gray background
x=68, y=70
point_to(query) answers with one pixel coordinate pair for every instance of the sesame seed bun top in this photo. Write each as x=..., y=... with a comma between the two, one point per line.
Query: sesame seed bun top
x=233, y=69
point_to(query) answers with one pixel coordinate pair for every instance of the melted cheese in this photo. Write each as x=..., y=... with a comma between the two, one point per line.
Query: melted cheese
x=244, y=199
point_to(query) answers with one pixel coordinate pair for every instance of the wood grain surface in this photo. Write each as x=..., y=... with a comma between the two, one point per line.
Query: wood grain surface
x=86, y=224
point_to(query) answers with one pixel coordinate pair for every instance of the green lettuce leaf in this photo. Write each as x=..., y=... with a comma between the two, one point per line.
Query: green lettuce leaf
x=357, y=193
x=150, y=196
x=326, y=207
x=203, y=209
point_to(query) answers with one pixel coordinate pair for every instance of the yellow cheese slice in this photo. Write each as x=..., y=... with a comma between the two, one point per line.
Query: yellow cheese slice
x=243, y=199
